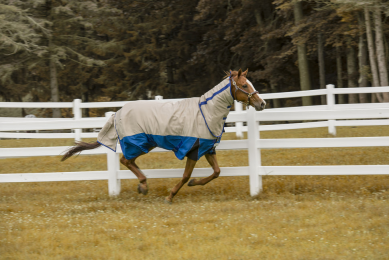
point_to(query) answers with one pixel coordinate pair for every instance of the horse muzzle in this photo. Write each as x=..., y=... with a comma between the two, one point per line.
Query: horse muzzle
x=259, y=106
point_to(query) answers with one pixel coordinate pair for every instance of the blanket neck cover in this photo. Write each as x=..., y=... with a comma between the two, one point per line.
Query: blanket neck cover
x=173, y=125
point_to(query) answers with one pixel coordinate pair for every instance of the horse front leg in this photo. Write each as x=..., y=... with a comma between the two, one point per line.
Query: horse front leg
x=190, y=164
x=211, y=158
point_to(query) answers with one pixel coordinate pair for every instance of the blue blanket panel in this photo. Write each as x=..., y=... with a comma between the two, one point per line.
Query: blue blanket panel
x=134, y=145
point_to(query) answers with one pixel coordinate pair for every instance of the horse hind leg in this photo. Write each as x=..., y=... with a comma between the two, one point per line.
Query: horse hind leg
x=132, y=166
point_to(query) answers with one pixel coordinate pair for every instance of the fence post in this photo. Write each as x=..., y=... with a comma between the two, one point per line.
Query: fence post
x=238, y=125
x=113, y=166
x=77, y=112
x=330, y=106
x=158, y=97
x=254, y=153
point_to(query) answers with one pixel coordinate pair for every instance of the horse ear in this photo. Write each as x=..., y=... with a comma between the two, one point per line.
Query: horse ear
x=245, y=73
x=239, y=72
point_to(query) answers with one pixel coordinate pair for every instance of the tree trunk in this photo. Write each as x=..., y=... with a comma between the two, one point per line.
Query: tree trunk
x=53, y=81
x=259, y=18
x=305, y=80
x=339, y=74
x=170, y=73
x=351, y=73
x=381, y=52
x=372, y=56
x=276, y=102
x=85, y=98
x=52, y=65
x=320, y=50
x=362, y=58
x=22, y=79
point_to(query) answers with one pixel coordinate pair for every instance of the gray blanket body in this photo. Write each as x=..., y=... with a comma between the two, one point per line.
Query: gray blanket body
x=172, y=125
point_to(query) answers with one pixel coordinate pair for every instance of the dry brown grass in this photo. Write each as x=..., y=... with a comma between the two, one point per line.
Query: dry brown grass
x=296, y=217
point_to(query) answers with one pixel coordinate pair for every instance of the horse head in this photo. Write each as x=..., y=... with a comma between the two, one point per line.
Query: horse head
x=244, y=91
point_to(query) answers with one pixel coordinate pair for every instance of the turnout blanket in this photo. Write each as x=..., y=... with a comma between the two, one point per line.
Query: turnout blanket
x=192, y=125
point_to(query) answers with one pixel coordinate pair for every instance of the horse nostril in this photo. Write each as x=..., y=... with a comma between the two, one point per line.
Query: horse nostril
x=263, y=104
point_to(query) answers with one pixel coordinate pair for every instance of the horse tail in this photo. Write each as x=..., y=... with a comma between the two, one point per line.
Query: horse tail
x=78, y=148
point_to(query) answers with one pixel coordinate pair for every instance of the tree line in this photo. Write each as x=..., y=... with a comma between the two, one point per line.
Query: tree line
x=110, y=50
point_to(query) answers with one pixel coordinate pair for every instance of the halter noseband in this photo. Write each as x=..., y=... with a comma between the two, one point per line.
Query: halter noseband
x=249, y=95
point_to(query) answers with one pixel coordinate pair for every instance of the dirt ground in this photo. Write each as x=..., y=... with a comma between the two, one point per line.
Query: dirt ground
x=295, y=217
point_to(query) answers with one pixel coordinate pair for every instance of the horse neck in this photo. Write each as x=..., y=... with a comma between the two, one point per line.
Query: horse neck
x=219, y=97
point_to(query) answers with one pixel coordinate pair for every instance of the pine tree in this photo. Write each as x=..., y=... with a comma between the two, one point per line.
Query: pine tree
x=66, y=37
x=20, y=46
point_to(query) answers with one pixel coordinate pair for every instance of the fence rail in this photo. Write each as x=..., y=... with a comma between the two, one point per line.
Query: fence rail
x=77, y=107
x=372, y=114
x=52, y=124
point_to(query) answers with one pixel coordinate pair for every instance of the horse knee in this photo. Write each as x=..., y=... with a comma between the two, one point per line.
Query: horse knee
x=185, y=179
x=123, y=161
x=216, y=173
x=127, y=163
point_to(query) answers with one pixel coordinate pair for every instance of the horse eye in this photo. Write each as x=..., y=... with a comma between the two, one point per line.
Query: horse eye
x=244, y=86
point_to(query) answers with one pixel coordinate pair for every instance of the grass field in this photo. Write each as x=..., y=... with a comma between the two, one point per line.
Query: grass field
x=295, y=217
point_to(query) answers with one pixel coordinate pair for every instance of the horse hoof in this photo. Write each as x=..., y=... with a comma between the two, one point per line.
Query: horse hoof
x=167, y=201
x=191, y=182
x=142, y=190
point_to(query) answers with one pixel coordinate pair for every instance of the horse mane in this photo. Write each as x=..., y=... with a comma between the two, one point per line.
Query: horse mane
x=231, y=73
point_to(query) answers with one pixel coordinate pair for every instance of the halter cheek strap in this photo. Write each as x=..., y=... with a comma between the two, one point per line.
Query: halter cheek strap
x=249, y=95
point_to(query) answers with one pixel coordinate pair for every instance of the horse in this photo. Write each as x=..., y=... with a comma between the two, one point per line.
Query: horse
x=191, y=128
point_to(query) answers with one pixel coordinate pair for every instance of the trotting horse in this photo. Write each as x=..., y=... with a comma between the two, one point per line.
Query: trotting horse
x=191, y=128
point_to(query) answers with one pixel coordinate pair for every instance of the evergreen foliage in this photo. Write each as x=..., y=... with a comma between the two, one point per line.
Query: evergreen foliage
x=106, y=50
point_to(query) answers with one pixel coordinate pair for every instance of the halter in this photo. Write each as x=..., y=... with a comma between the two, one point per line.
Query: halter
x=249, y=95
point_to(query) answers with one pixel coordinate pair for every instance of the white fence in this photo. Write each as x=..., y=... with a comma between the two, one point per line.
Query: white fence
x=330, y=93
x=376, y=114
x=77, y=107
